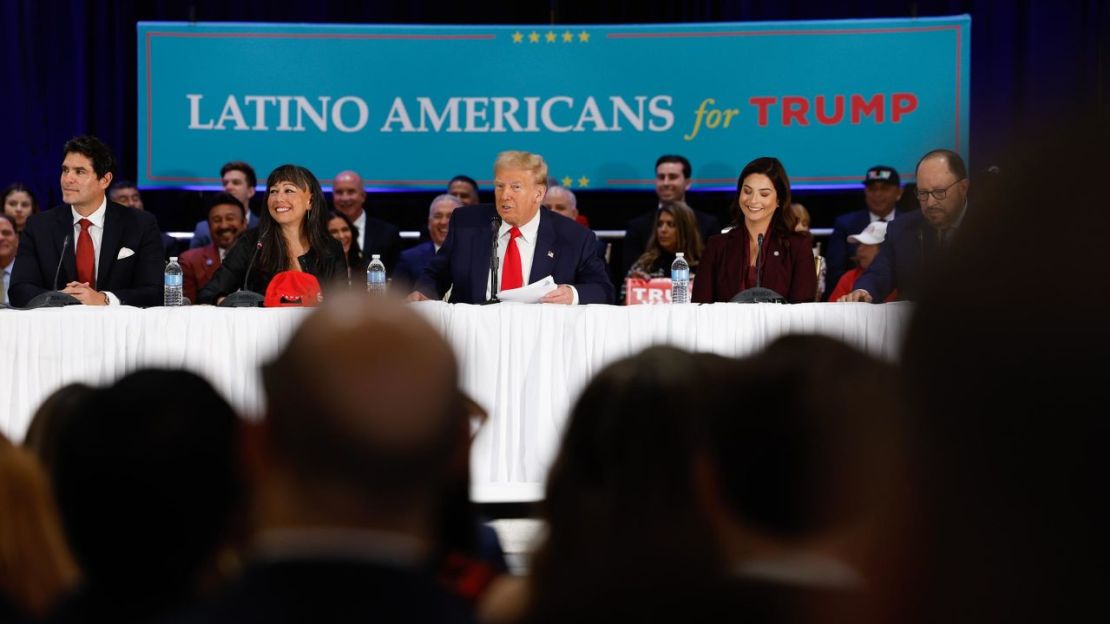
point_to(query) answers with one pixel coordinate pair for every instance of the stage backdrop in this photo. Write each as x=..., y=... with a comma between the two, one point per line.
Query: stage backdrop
x=411, y=106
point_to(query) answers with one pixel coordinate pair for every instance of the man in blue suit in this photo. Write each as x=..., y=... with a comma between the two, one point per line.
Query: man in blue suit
x=414, y=259
x=915, y=242
x=531, y=244
x=882, y=189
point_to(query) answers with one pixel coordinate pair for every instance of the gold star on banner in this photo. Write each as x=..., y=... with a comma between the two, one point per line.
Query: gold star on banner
x=567, y=37
x=584, y=37
x=583, y=181
x=567, y=181
x=534, y=37
x=550, y=37
x=518, y=37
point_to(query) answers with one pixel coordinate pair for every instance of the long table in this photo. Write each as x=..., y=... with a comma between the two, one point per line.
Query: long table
x=526, y=364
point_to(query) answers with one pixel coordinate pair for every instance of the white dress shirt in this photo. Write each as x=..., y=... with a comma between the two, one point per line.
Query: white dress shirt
x=96, y=233
x=6, y=276
x=360, y=223
x=874, y=217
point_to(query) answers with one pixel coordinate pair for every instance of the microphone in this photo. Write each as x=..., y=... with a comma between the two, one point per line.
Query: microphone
x=757, y=293
x=495, y=225
x=244, y=298
x=54, y=298
x=759, y=261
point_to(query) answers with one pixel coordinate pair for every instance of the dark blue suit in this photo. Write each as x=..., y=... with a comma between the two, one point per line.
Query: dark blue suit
x=910, y=247
x=135, y=280
x=564, y=250
x=839, y=252
x=411, y=265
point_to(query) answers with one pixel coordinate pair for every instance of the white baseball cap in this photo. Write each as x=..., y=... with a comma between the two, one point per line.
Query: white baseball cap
x=873, y=234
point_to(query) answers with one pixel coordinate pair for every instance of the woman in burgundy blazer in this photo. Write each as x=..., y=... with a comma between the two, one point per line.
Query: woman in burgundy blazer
x=728, y=264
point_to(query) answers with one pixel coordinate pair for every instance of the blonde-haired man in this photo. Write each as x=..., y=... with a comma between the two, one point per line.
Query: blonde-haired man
x=531, y=244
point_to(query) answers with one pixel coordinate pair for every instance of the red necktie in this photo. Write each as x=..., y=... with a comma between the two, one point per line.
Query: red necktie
x=511, y=275
x=86, y=260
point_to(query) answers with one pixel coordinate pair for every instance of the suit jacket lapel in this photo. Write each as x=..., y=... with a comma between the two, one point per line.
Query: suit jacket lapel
x=64, y=226
x=109, y=243
x=543, y=255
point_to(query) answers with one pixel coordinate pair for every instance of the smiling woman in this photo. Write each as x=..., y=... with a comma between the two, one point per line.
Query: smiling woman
x=292, y=236
x=735, y=261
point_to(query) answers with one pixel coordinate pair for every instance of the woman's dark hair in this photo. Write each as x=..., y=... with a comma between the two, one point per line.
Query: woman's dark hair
x=621, y=508
x=688, y=237
x=354, y=254
x=273, y=257
x=784, y=220
x=15, y=188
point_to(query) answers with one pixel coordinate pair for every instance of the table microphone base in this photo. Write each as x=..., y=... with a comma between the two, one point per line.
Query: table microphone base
x=52, y=299
x=758, y=295
x=242, y=299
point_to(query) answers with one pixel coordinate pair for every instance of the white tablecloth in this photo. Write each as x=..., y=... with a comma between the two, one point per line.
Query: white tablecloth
x=525, y=364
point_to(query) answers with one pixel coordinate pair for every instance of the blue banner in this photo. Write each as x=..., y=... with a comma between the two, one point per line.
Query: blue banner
x=412, y=106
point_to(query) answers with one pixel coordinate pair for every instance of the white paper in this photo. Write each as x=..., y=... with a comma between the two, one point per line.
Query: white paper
x=532, y=293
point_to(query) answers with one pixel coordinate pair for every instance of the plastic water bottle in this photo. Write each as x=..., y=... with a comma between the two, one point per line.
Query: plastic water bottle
x=680, y=279
x=173, y=282
x=375, y=276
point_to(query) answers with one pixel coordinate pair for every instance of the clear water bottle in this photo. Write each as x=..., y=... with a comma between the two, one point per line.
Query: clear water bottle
x=173, y=282
x=680, y=279
x=375, y=276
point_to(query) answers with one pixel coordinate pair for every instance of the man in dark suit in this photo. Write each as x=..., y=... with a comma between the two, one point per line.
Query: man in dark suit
x=227, y=220
x=414, y=259
x=882, y=189
x=110, y=254
x=376, y=236
x=914, y=242
x=349, y=468
x=672, y=180
x=531, y=244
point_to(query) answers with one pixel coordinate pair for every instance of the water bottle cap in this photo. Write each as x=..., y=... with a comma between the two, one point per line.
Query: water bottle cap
x=376, y=257
x=679, y=255
x=173, y=258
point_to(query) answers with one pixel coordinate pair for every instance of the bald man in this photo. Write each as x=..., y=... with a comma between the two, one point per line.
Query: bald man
x=375, y=235
x=916, y=242
x=348, y=466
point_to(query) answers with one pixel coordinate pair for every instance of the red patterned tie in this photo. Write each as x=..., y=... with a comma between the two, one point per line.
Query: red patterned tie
x=511, y=275
x=86, y=261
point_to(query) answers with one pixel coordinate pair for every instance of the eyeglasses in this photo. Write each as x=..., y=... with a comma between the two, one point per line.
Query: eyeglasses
x=938, y=194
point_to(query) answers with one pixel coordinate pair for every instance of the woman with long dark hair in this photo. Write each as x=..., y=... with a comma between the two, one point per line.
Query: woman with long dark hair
x=342, y=229
x=761, y=209
x=675, y=229
x=19, y=203
x=292, y=235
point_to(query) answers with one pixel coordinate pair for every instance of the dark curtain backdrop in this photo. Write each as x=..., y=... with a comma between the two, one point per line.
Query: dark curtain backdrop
x=69, y=65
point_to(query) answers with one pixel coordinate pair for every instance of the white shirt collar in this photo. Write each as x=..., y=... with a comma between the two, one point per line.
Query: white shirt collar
x=527, y=231
x=96, y=218
x=875, y=217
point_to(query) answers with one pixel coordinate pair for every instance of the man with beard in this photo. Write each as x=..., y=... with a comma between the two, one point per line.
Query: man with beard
x=915, y=242
x=227, y=220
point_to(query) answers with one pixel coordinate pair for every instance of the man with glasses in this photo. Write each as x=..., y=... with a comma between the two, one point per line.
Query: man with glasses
x=917, y=240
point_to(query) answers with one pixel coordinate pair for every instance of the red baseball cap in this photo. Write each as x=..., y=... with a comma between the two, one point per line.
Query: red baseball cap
x=292, y=289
